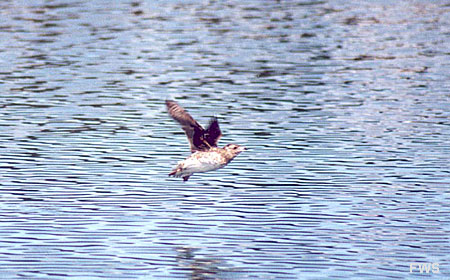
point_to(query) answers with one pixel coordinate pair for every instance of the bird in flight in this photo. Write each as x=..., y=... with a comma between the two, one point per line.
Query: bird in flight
x=206, y=156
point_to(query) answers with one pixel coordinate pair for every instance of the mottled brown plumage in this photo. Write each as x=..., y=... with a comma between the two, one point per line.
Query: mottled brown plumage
x=199, y=138
x=206, y=156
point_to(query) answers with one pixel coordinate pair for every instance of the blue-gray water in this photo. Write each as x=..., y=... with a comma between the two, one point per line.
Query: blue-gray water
x=344, y=106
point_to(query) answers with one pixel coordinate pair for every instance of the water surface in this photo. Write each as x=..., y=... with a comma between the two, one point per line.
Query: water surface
x=344, y=107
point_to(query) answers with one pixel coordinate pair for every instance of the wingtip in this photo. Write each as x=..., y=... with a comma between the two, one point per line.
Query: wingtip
x=172, y=105
x=213, y=119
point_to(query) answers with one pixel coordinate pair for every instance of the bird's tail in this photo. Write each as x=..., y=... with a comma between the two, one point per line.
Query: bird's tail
x=174, y=172
x=178, y=171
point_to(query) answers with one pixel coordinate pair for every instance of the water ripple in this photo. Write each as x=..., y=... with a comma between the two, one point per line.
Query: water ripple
x=343, y=109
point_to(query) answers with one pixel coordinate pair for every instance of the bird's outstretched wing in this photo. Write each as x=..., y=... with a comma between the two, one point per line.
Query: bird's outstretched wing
x=213, y=133
x=199, y=139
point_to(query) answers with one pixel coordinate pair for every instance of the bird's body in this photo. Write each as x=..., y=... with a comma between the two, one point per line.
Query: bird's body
x=201, y=161
x=206, y=156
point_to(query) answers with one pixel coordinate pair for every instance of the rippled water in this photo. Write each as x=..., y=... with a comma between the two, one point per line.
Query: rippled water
x=344, y=106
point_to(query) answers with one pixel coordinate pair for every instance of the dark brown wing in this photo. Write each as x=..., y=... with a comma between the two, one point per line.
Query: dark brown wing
x=194, y=131
x=213, y=133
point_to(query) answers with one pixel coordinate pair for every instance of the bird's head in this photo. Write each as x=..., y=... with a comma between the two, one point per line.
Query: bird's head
x=234, y=149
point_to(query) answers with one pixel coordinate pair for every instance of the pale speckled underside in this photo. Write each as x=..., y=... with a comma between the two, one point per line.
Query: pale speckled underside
x=200, y=162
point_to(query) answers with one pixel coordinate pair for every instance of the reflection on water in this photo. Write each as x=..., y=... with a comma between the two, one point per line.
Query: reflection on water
x=343, y=106
x=203, y=268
